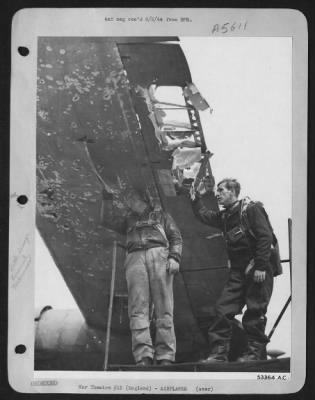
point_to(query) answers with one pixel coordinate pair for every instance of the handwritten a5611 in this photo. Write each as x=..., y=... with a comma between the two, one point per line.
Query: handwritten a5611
x=229, y=27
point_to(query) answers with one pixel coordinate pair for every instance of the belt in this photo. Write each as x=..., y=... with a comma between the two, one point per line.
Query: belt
x=144, y=246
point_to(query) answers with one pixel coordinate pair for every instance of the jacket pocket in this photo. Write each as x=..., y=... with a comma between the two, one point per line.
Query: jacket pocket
x=235, y=235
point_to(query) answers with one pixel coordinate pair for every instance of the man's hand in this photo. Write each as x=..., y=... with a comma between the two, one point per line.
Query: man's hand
x=192, y=192
x=249, y=267
x=259, y=276
x=107, y=195
x=172, y=266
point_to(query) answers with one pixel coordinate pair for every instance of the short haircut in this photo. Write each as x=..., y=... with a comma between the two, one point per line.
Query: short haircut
x=134, y=193
x=231, y=184
x=139, y=192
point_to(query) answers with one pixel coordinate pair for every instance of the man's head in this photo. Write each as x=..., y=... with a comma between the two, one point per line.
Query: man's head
x=228, y=191
x=136, y=201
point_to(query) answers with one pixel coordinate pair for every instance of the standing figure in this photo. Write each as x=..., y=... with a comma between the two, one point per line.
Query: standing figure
x=250, y=279
x=154, y=246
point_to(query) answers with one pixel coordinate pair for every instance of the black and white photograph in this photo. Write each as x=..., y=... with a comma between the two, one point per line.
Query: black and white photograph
x=164, y=173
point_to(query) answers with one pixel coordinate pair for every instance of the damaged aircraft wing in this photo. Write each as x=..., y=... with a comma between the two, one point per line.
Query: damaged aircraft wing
x=105, y=119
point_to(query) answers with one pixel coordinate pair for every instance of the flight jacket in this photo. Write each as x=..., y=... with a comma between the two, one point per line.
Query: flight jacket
x=241, y=246
x=154, y=228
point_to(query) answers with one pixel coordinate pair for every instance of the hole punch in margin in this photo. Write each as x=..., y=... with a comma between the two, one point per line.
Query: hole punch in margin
x=20, y=349
x=23, y=51
x=22, y=199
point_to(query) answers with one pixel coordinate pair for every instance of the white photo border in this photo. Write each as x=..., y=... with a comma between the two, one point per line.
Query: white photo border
x=27, y=26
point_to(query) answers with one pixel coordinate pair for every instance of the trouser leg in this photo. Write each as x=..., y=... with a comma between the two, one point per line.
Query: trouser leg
x=228, y=305
x=258, y=296
x=161, y=284
x=139, y=305
x=254, y=321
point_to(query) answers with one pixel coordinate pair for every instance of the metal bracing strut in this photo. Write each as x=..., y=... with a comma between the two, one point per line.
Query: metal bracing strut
x=110, y=306
x=290, y=264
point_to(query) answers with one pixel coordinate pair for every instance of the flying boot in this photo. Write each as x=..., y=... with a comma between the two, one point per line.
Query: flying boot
x=144, y=362
x=256, y=351
x=219, y=353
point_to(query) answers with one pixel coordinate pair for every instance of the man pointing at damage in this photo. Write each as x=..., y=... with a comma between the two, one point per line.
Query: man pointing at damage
x=250, y=281
x=154, y=246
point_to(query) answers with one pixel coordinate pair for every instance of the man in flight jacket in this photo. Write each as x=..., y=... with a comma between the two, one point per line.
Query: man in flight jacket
x=250, y=279
x=154, y=246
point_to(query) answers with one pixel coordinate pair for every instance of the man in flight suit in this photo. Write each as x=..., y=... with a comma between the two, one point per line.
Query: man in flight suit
x=154, y=246
x=250, y=279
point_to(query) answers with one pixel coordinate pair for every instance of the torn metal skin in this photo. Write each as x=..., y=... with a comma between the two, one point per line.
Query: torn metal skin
x=101, y=122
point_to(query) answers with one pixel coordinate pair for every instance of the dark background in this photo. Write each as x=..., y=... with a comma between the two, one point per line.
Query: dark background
x=8, y=8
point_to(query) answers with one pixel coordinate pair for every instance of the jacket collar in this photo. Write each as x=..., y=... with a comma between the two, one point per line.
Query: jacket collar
x=145, y=213
x=233, y=208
